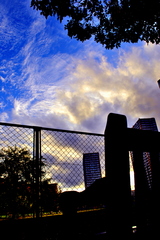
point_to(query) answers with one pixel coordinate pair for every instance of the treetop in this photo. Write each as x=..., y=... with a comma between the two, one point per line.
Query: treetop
x=110, y=22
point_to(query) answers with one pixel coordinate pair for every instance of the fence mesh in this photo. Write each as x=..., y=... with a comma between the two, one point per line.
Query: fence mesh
x=28, y=189
x=16, y=136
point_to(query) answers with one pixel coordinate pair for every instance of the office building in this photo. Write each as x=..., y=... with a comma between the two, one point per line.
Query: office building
x=91, y=168
x=146, y=124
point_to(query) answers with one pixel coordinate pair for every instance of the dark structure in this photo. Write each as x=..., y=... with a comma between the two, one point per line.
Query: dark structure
x=118, y=177
x=119, y=140
x=91, y=168
x=146, y=124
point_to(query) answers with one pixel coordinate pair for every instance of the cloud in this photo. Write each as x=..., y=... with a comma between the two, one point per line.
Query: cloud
x=97, y=87
x=3, y=116
x=70, y=91
x=52, y=82
x=63, y=155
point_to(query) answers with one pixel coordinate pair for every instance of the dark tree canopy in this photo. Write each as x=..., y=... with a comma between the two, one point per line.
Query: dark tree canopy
x=18, y=175
x=110, y=22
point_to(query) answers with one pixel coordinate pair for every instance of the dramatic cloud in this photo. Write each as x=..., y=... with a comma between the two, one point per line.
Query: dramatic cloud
x=50, y=80
x=77, y=92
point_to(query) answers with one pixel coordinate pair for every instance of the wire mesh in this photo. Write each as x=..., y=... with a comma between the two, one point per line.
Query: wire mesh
x=16, y=136
x=63, y=155
x=60, y=168
x=16, y=172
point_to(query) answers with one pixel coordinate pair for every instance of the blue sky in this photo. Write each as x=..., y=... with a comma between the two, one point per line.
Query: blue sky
x=50, y=80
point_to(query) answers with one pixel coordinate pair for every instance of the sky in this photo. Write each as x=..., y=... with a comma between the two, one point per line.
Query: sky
x=48, y=79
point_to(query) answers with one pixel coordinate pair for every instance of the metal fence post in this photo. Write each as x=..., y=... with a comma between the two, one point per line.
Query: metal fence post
x=37, y=158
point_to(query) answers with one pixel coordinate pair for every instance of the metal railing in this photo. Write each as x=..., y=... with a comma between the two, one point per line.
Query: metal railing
x=36, y=164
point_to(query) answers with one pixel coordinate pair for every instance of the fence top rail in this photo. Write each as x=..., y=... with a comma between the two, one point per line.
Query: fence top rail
x=49, y=129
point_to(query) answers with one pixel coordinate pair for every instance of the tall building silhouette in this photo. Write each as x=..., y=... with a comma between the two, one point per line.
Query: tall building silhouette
x=146, y=124
x=91, y=168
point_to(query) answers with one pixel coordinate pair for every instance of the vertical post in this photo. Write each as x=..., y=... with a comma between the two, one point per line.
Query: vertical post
x=118, y=178
x=37, y=158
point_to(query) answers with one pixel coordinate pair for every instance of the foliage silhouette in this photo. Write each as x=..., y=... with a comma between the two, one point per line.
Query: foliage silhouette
x=110, y=22
x=18, y=181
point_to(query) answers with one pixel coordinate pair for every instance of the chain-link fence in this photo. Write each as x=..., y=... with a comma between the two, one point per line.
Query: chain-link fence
x=36, y=164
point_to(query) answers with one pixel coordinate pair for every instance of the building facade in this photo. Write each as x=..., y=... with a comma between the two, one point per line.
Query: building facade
x=91, y=168
x=146, y=124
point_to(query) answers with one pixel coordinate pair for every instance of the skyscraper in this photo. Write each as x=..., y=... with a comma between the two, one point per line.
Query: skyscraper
x=91, y=168
x=146, y=124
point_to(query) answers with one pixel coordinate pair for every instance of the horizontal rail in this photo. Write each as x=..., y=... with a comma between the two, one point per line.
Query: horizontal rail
x=50, y=129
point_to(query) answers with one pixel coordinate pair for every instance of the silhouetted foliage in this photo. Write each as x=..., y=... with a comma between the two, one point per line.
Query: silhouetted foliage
x=18, y=185
x=110, y=22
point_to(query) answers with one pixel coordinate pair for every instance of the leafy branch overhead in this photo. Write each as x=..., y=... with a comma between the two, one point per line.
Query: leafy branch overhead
x=110, y=22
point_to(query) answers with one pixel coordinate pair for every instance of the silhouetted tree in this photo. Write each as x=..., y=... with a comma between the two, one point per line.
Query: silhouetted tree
x=17, y=180
x=110, y=22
